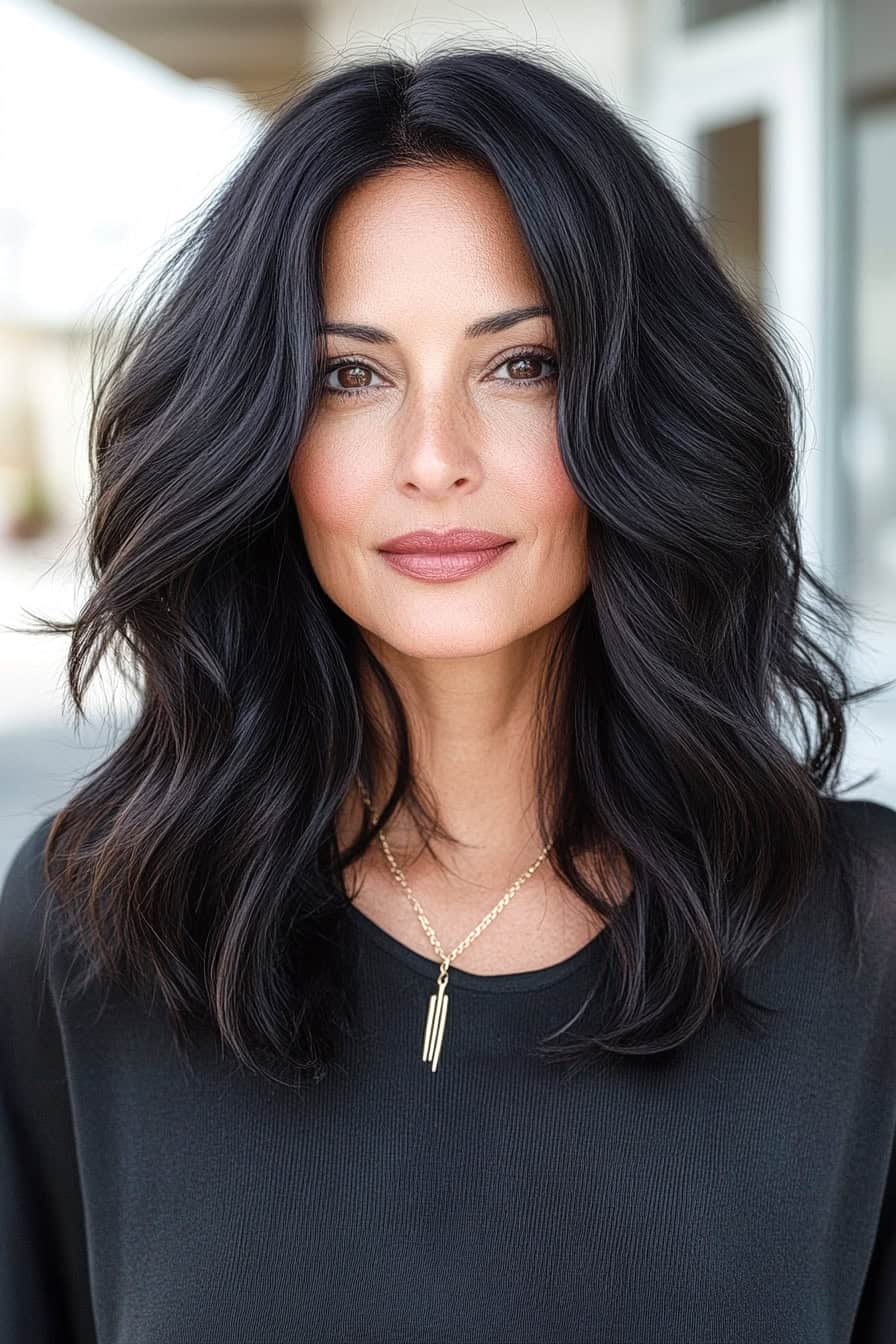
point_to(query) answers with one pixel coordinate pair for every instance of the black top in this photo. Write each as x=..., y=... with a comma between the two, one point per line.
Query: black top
x=744, y=1193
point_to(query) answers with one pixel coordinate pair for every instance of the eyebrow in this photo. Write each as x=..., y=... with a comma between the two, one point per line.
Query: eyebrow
x=486, y=326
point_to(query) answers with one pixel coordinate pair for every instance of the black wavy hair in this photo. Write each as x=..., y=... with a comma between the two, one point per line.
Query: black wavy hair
x=691, y=717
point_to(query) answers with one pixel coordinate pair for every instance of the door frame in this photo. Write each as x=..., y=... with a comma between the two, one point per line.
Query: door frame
x=769, y=62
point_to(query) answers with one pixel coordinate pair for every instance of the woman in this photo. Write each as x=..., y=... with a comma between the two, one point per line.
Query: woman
x=408, y=821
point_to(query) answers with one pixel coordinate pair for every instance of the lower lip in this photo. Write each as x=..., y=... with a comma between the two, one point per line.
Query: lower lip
x=444, y=568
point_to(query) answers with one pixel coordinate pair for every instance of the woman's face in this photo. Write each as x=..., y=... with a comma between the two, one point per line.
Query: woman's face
x=441, y=428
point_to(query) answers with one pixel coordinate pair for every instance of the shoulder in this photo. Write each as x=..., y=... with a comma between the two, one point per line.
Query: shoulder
x=32, y=1066
x=23, y=906
x=867, y=829
x=872, y=820
x=861, y=844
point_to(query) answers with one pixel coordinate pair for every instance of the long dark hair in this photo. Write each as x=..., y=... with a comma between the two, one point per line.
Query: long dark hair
x=199, y=858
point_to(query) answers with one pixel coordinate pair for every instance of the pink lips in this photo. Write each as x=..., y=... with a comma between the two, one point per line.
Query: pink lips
x=443, y=556
x=455, y=539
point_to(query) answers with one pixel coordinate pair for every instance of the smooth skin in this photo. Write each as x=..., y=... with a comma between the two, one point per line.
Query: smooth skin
x=448, y=429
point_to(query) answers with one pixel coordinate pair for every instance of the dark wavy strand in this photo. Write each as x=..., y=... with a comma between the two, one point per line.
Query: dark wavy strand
x=689, y=717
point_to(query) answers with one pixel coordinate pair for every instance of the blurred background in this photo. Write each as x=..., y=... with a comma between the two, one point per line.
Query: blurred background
x=118, y=117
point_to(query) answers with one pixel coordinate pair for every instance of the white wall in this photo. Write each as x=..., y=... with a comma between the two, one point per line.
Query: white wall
x=596, y=37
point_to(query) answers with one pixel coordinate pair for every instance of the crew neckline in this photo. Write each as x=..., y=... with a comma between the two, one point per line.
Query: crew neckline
x=510, y=981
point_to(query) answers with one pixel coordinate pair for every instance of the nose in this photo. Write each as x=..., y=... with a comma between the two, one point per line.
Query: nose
x=438, y=450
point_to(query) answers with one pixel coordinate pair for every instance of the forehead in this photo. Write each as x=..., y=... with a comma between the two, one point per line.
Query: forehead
x=417, y=238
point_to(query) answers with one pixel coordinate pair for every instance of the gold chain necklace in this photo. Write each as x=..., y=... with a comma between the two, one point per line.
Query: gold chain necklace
x=438, y=1002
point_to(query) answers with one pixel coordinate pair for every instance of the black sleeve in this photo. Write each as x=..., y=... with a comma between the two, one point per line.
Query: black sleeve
x=44, y=1281
x=875, y=1322
x=876, y=1319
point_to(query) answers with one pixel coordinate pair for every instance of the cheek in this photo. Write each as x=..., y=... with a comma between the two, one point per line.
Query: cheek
x=553, y=490
x=552, y=503
x=331, y=492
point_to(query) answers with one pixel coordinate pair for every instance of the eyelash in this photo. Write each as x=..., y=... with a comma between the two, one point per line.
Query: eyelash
x=526, y=353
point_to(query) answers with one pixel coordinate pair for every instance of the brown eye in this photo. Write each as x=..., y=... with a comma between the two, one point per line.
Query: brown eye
x=525, y=364
x=352, y=377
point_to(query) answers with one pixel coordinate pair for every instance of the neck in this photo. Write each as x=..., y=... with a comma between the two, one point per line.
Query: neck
x=470, y=721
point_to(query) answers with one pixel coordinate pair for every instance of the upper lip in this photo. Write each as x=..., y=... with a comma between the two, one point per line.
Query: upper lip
x=441, y=543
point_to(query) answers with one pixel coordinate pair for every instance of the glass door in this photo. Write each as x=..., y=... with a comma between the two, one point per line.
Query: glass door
x=867, y=442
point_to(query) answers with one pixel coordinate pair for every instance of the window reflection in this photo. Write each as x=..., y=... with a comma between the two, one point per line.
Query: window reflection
x=869, y=439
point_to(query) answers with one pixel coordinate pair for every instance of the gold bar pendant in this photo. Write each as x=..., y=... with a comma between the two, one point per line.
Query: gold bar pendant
x=435, y=1024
